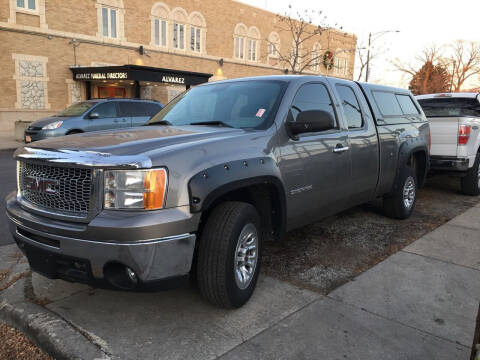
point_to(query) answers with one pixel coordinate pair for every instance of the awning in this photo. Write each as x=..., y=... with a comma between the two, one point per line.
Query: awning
x=139, y=73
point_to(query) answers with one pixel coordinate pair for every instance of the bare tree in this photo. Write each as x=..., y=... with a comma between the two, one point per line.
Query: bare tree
x=432, y=54
x=361, y=51
x=301, y=29
x=463, y=63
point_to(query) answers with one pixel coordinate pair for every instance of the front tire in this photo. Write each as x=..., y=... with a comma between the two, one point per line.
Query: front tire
x=471, y=182
x=229, y=254
x=401, y=202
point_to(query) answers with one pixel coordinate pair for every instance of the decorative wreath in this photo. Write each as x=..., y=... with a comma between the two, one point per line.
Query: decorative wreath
x=328, y=60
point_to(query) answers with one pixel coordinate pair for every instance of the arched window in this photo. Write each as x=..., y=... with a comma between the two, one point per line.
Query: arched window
x=179, y=20
x=340, y=62
x=253, y=44
x=159, y=18
x=197, y=32
x=273, y=45
x=240, y=37
x=316, y=57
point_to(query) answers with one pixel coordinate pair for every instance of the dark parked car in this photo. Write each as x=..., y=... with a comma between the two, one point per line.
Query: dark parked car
x=93, y=115
x=219, y=170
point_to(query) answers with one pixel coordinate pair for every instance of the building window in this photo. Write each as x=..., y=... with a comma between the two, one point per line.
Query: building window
x=197, y=32
x=316, y=57
x=239, y=46
x=31, y=80
x=27, y=4
x=110, y=16
x=252, y=43
x=252, y=50
x=178, y=36
x=160, y=31
x=109, y=22
x=195, y=39
x=341, y=66
x=239, y=41
x=159, y=16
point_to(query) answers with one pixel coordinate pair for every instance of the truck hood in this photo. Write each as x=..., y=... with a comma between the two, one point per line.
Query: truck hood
x=121, y=145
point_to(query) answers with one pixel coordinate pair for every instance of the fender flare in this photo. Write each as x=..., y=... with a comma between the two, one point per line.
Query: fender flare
x=210, y=184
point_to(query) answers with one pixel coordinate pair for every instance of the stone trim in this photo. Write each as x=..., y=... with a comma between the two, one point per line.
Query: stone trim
x=39, y=11
x=72, y=88
x=19, y=78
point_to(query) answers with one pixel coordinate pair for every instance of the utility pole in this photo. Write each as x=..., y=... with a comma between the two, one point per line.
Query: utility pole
x=453, y=74
x=372, y=37
x=368, y=57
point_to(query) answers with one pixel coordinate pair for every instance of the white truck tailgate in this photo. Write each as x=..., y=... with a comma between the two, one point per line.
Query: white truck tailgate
x=444, y=133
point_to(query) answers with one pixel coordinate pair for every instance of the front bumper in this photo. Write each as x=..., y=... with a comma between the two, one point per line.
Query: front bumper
x=81, y=252
x=36, y=135
x=449, y=163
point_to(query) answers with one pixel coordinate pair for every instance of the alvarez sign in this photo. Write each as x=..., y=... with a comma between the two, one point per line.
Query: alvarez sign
x=173, y=79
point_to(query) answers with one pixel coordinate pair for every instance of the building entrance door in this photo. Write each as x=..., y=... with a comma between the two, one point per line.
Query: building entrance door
x=111, y=92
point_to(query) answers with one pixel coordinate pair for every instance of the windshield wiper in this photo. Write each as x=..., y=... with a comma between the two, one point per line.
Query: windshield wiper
x=214, y=122
x=161, y=122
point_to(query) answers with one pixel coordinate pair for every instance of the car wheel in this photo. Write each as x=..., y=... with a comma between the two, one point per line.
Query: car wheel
x=73, y=132
x=401, y=202
x=471, y=182
x=229, y=254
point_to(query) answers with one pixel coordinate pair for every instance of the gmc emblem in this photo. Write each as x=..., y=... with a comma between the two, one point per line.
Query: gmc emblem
x=40, y=185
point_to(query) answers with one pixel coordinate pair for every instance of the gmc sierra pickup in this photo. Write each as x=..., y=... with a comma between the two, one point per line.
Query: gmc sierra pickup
x=214, y=174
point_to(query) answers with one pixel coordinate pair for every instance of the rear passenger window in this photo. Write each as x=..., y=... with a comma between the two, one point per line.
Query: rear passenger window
x=351, y=107
x=152, y=108
x=387, y=103
x=129, y=108
x=312, y=97
x=407, y=105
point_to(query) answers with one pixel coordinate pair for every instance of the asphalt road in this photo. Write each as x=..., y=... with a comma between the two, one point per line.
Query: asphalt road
x=7, y=184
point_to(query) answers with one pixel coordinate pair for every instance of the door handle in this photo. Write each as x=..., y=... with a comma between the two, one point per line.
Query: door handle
x=340, y=148
x=115, y=121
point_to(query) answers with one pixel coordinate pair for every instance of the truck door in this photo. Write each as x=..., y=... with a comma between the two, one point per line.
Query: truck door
x=316, y=166
x=362, y=140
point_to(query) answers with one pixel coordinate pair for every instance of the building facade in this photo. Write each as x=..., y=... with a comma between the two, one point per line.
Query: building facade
x=57, y=52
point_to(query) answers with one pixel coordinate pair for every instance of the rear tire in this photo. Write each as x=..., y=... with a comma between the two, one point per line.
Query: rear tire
x=401, y=202
x=229, y=252
x=73, y=132
x=471, y=182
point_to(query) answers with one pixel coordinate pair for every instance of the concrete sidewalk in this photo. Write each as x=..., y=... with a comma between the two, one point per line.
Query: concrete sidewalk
x=420, y=303
x=7, y=141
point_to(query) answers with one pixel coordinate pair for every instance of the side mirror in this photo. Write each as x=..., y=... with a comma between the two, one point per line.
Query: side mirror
x=311, y=121
x=93, y=115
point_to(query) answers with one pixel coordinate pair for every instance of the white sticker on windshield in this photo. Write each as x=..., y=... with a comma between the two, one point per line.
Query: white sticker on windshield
x=260, y=112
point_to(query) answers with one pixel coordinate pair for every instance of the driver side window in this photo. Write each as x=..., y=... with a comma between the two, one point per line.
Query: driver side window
x=312, y=97
x=106, y=110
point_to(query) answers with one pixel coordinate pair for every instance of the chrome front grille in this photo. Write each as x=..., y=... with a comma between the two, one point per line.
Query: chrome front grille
x=58, y=189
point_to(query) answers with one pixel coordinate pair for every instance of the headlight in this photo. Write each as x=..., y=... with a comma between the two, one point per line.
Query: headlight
x=54, y=125
x=135, y=189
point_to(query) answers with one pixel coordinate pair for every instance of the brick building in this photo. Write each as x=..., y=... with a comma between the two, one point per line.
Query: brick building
x=56, y=52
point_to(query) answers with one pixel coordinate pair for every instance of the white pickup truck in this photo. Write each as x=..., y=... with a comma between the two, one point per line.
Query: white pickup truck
x=455, y=135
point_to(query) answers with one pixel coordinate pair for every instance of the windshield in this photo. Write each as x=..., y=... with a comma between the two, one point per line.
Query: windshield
x=76, y=109
x=450, y=107
x=240, y=104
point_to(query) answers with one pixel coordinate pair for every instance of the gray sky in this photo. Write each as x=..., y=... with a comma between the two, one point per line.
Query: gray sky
x=421, y=23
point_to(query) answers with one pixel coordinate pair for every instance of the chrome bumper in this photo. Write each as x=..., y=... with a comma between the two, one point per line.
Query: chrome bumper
x=104, y=241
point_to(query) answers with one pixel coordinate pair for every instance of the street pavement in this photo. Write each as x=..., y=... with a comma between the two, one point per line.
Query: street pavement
x=7, y=185
x=420, y=303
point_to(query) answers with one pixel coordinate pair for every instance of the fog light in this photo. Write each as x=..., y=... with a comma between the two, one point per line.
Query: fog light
x=131, y=275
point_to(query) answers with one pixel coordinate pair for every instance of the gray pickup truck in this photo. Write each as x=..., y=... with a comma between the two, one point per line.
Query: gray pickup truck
x=221, y=169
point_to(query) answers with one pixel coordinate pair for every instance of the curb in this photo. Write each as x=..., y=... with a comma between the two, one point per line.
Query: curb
x=51, y=333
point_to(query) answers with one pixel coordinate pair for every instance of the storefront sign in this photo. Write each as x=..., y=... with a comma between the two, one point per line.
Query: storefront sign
x=173, y=79
x=102, y=76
